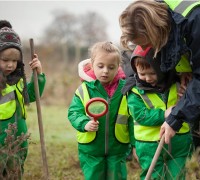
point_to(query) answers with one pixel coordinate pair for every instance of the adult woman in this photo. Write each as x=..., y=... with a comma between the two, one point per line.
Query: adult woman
x=171, y=35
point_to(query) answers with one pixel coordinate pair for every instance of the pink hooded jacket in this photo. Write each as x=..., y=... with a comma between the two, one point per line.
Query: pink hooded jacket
x=87, y=74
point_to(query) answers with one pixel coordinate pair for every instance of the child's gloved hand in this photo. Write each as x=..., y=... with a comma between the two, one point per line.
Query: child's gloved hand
x=92, y=125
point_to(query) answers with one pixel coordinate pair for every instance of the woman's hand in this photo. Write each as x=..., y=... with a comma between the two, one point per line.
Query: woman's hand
x=168, y=131
x=168, y=111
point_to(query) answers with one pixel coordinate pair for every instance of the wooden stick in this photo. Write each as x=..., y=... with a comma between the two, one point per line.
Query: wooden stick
x=155, y=158
x=39, y=114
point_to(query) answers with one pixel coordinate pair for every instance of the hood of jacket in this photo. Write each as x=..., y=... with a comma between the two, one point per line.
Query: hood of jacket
x=148, y=54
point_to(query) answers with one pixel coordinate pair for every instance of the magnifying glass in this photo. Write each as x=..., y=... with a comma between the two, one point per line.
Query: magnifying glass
x=96, y=107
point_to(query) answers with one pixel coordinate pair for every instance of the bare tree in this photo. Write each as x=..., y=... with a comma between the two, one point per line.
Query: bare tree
x=93, y=28
x=61, y=28
x=78, y=31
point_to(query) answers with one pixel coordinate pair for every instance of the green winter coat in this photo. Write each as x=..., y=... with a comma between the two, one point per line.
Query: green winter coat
x=106, y=130
x=21, y=121
x=143, y=115
x=169, y=165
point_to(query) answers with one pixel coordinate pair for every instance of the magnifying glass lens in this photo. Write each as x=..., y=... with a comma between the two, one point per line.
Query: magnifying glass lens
x=97, y=107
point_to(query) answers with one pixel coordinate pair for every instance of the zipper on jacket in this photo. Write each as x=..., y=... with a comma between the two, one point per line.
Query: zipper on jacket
x=107, y=128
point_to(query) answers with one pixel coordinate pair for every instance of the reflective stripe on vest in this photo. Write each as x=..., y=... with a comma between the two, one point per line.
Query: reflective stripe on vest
x=19, y=90
x=152, y=100
x=121, y=126
x=84, y=137
x=183, y=7
x=8, y=101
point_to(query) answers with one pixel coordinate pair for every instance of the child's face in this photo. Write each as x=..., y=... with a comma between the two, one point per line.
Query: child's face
x=8, y=60
x=147, y=75
x=105, y=67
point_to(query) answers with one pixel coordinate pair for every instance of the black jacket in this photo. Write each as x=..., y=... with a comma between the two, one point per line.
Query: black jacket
x=184, y=37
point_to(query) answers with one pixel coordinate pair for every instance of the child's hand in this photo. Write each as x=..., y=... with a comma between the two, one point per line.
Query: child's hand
x=92, y=126
x=181, y=91
x=185, y=78
x=35, y=63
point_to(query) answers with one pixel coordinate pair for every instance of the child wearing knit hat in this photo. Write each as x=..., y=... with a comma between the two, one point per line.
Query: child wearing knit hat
x=15, y=93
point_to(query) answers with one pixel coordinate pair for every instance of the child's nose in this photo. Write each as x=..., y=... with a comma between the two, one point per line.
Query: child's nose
x=105, y=70
x=10, y=63
x=148, y=78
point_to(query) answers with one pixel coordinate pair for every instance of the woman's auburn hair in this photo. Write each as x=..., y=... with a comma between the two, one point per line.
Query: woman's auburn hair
x=145, y=18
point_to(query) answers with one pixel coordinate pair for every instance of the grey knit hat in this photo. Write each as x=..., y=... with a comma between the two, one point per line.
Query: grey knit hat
x=8, y=37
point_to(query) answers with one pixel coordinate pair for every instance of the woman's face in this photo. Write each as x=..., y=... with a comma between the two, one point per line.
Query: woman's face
x=142, y=41
x=105, y=66
x=8, y=60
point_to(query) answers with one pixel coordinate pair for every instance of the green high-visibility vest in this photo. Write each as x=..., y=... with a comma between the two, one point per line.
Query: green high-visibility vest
x=183, y=7
x=8, y=104
x=153, y=101
x=121, y=126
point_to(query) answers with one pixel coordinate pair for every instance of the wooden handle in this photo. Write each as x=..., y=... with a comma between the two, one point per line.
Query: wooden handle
x=39, y=113
x=155, y=158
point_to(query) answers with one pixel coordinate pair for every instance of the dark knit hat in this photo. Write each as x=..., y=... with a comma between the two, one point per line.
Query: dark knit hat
x=8, y=37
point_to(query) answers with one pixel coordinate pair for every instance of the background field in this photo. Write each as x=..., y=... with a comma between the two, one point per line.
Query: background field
x=61, y=148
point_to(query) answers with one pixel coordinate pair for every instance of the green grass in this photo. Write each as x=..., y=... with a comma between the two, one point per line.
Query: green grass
x=60, y=143
x=61, y=148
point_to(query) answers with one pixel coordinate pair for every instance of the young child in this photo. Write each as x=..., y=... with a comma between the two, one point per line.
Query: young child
x=150, y=102
x=102, y=144
x=14, y=95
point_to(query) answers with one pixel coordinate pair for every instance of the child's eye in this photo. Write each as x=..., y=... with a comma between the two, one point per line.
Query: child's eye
x=100, y=66
x=141, y=74
x=3, y=59
x=111, y=68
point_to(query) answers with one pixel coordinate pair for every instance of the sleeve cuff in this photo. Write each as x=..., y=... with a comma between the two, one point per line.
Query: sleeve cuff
x=174, y=123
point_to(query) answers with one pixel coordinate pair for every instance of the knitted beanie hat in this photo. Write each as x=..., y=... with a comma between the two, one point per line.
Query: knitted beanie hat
x=8, y=37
